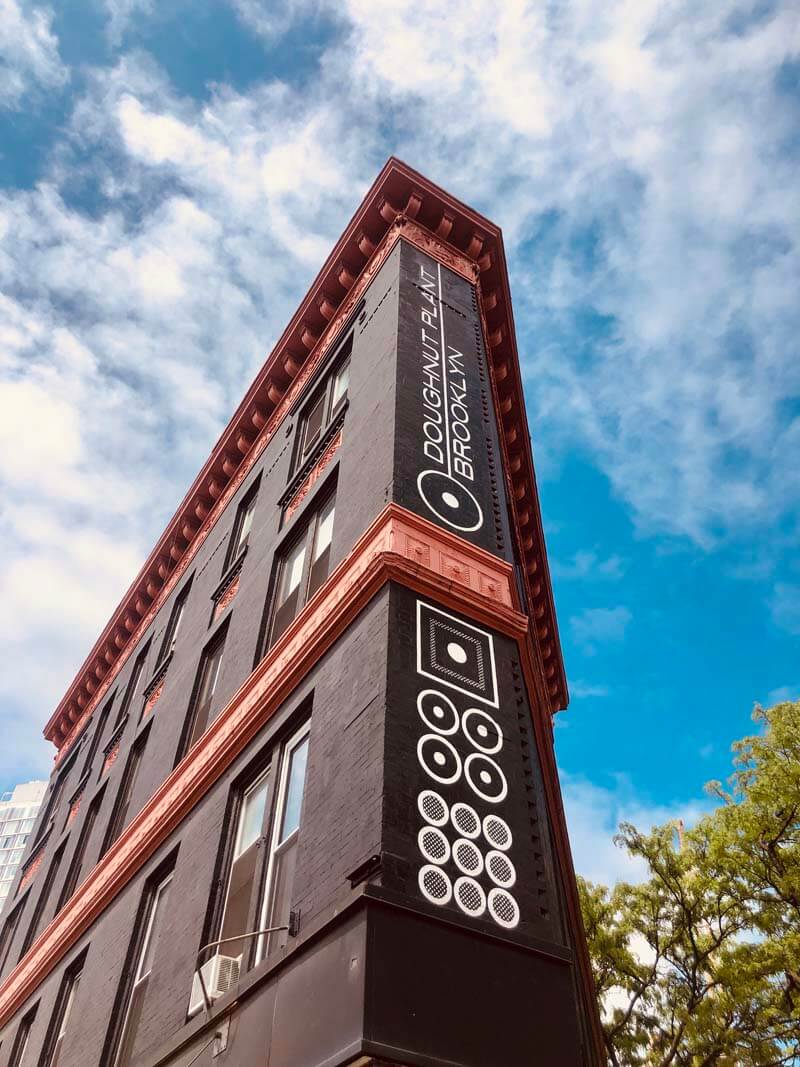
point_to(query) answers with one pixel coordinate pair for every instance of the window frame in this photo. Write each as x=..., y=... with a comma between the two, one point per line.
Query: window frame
x=134, y=683
x=276, y=814
x=119, y=813
x=79, y=855
x=97, y=737
x=43, y=900
x=9, y=930
x=173, y=624
x=22, y=1038
x=216, y=642
x=137, y=952
x=324, y=388
x=62, y=1010
x=235, y=550
x=306, y=531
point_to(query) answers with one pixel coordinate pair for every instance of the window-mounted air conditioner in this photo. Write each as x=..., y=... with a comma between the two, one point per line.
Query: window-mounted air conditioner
x=220, y=975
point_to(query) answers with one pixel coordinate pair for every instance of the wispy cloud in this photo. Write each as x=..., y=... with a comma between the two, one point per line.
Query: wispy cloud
x=782, y=694
x=785, y=607
x=580, y=690
x=28, y=51
x=587, y=564
x=594, y=626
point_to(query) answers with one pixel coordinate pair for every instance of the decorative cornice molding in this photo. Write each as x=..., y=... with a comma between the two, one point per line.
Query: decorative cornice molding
x=401, y=202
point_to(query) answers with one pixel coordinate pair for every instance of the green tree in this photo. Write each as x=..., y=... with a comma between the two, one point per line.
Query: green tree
x=699, y=964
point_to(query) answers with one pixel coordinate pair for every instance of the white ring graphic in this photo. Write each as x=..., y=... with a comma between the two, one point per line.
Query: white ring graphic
x=449, y=522
x=433, y=845
x=487, y=750
x=484, y=796
x=500, y=869
x=497, y=832
x=468, y=857
x=466, y=820
x=503, y=908
x=427, y=719
x=443, y=779
x=434, y=885
x=433, y=808
x=470, y=896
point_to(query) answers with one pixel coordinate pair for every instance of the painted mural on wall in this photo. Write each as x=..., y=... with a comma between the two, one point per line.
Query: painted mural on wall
x=446, y=444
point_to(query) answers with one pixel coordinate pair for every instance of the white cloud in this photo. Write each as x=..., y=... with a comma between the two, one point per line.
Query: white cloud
x=588, y=564
x=782, y=694
x=28, y=51
x=594, y=813
x=580, y=690
x=599, y=625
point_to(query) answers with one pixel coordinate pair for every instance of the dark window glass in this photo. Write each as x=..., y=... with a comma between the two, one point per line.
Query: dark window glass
x=41, y=904
x=62, y=1014
x=283, y=842
x=76, y=866
x=147, y=937
x=302, y=568
x=97, y=736
x=323, y=406
x=123, y=805
x=242, y=527
x=9, y=932
x=205, y=687
x=22, y=1040
x=174, y=624
x=133, y=684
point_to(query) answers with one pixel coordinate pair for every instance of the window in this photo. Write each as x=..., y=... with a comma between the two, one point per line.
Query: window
x=9, y=932
x=98, y=736
x=324, y=405
x=41, y=903
x=61, y=1015
x=204, y=689
x=242, y=876
x=133, y=684
x=76, y=866
x=242, y=527
x=174, y=624
x=22, y=1039
x=122, y=807
x=302, y=568
x=144, y=946
x=283, y=847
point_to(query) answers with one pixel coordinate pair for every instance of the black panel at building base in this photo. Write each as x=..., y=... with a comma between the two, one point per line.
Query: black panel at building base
x=438, y=995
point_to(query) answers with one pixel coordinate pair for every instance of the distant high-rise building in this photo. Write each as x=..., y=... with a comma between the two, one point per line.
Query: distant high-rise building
x=18, y=811
x=305, y=808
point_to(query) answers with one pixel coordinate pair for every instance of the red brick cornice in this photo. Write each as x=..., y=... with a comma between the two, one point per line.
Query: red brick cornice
x=401, y=202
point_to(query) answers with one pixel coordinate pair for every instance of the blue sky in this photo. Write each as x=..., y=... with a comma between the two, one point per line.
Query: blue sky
x=641, y=158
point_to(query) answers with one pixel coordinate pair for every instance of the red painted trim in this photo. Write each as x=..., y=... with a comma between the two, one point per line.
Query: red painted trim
x=399, y=201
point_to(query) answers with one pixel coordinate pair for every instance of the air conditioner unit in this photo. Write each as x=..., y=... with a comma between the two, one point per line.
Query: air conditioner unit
x=220, y=975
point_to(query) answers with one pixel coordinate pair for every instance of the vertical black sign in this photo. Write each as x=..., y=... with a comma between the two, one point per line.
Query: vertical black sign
x=446, y=465
x=465, y=809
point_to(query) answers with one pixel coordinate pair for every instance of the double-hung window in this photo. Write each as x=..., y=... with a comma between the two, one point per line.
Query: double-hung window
x=97, y=737
x=122, y=806
x=9, y=932
x=240, y=534
x=204, y=690
x=76, y=866
x=22, y=1040
x=324, y=405
x=133, y=684
x=174, y=624
x=62, y=1013
x=41, y=904
x=283, y=843
x=302, y=568
x=145, y=945
x=258, y=876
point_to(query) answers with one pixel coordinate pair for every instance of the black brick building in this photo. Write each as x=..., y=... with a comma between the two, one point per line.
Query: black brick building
x=310, y=758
